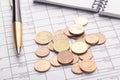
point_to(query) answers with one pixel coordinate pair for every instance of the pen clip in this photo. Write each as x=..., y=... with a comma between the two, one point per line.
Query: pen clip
x=11, y=3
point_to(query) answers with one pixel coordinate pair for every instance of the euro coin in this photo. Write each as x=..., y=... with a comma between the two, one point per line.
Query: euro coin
x=88, y=66
x=61, y=45
x=42, y=51
x=54, y=61
x=79, y=47
x=42, y=65
x=65, y=57
x=43, y=37
x=76, y=68
x=87, y=55
x=50, y=46
x=91, y=39
x=75, y=59
x=66, y=32
x=81, y=20
x=60, y=31
x=101, y=37
x=60, y=36
x=76, y=29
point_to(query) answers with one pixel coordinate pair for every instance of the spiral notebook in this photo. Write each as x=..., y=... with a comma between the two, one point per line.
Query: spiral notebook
x=103, y=7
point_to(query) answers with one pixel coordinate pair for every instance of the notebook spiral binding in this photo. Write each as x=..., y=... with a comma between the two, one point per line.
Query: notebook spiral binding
x=101, y=4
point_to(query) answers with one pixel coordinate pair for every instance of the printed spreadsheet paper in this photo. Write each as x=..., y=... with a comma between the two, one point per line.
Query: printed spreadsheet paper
x=37, y=18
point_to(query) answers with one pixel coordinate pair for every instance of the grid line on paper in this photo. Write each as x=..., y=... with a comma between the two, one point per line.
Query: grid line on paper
x=116, y=37
x=89, y=77
x=115, y=31
x=104, y=45
x=26, y=63
x=7, y=44
x=28, y=74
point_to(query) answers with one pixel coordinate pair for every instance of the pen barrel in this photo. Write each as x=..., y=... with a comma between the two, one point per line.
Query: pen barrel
x=17, y=32
x=16, y=11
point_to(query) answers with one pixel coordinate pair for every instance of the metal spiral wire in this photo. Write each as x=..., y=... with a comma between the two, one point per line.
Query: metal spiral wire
x=101, y=3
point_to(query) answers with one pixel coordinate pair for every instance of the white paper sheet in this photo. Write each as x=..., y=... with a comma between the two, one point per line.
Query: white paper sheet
x=37, y=18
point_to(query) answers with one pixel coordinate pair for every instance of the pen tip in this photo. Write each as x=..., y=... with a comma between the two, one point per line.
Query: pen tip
x=18, y=49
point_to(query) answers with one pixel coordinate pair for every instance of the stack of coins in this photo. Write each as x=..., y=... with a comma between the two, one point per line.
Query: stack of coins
x=76, y=53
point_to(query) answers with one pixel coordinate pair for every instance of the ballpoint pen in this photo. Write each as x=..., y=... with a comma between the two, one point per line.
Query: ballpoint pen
x=17, y=25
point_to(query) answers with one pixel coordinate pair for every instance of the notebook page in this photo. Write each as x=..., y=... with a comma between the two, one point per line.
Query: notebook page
x=37, y=18
x=112, y=9
x=80, y=4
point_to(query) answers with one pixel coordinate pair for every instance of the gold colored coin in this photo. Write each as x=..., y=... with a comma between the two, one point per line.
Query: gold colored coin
x=43, y=37
x=65, y=57
x=42, y=51
x=61, y=45
x=79, y=47
x=50, y=46
x=60, y=36
x=88, y=65
x=76, y=68
x=88, y=45
x=76, y=29
x=101, y=37
x=76, y=59
x=78, y=36
x=54, y=61
x=88, y=55
x=81, y=20
x=60, y=31
x=91, y=39
x=66, y=32
x=81, y=39
x=42, y=65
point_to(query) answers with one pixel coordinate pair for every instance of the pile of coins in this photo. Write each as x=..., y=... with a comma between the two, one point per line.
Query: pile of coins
x=76, y=53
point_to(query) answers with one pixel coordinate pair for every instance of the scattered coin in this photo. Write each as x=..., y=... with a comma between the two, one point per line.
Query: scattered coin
x=76, y=68
x=60, y=36
x=78, y=36
x=54, y=61
x=88, y=45
x=68, y=53
x=43, y=37
x=81, y=39
x=101, y=37
x=65, y=57
x=61, y=45
x=75, y=59
x=76, y=29
x=61, y=31
x=42, y=51
x=91, y=39
x=42, y=65
x=79, y=47
x=81, y=20
x=87, y=55
x=50, y=46
x=66, y=31
x=88, y=65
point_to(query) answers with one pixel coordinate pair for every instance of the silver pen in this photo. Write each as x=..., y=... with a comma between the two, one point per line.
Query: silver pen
x=17, y=25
